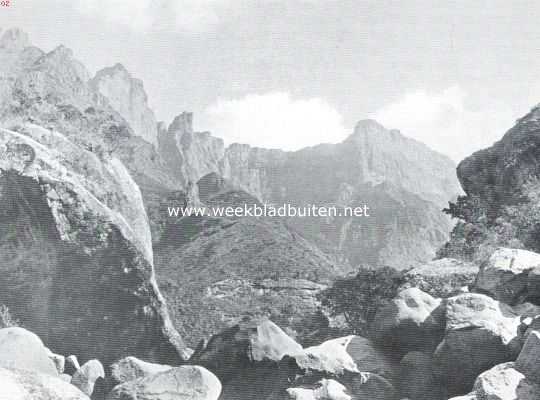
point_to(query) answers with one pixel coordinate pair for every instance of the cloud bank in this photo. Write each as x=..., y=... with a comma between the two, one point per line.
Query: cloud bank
x=275, y=120
x=444, y=122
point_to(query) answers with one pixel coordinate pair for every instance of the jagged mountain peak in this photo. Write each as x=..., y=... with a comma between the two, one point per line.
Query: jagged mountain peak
x=183, y=122
x=127, y=96
x=14, y=39
x=61, y=62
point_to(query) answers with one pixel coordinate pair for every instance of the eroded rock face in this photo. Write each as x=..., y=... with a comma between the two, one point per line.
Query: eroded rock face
x=74, y=226
x=26, y=385
x=414, y=320
x=480, y=333
x=185, y=382
x=505, y=276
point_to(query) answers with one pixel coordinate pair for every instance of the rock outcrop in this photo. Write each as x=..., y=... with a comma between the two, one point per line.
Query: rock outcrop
x=86, y=215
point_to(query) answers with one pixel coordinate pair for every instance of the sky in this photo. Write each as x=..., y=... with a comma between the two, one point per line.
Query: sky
x=294, y=73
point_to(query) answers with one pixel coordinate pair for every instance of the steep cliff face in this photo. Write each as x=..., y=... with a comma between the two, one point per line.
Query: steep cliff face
x=76, y=252
x=127, y=96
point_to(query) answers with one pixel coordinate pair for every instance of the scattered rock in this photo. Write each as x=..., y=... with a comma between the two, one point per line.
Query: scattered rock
x=418, y=379
x=533, y=285
x=351, y=354
x=528, y=361
x=131, y=368
x=414, y=320
x=86, y=377
x=30, y=385
x=442, y=278
x=505, y=382
x=326, y=389
x=180, y=383
x=505, y=275
x=480, y=333
x=72, y=365
x=58, y=360
x=22, y=349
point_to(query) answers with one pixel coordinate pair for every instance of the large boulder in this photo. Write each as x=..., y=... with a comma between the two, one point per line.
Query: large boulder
x=441, y=278
x=21, y=349
x=505, y=275
x=27, y=385
x=75, y=247
x=131, y=368
x=418, y=379
x=180, y=383
x=414, y=320
x=480, y=333
x=350, y=354
x=242, y=345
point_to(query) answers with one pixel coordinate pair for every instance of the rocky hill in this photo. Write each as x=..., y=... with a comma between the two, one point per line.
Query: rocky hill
x=502, y=189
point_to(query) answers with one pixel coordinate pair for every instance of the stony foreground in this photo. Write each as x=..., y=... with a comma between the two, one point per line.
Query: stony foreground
x=472, y=345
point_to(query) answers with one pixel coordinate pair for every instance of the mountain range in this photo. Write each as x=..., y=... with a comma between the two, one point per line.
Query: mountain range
x=232, y=267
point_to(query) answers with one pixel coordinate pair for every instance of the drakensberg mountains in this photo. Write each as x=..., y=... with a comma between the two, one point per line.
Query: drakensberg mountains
x=405, y=184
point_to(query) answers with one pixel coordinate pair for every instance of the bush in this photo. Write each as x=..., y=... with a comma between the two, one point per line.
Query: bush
x=6, y=320
x=359, y=298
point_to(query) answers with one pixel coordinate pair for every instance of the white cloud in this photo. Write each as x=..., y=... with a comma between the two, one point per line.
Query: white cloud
x=274, y=120
x=445, y=123
x=141, y=15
